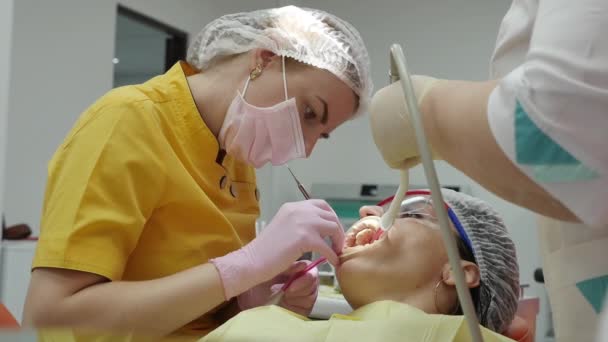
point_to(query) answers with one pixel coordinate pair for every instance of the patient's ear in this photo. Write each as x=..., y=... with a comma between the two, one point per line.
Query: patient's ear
x=471, y=274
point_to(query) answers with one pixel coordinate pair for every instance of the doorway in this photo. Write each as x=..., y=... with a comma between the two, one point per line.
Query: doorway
x=145, y=47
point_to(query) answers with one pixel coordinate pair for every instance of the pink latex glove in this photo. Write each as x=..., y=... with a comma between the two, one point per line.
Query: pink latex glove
x=297, y=228
x=300, y=297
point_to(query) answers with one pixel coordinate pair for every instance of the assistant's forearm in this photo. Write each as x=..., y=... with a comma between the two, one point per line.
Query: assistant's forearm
x=458, y=128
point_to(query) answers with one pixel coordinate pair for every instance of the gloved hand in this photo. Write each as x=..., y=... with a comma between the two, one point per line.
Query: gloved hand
x=297, y=228
x=391, y=124
x=299, y=297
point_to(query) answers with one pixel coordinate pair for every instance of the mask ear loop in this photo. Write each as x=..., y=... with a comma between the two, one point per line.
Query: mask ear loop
x=284, y=78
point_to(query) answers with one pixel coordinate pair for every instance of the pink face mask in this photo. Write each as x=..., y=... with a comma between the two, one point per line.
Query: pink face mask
x=259, y=135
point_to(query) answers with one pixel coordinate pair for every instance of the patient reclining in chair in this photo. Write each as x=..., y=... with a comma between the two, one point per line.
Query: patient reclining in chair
x=401, y=285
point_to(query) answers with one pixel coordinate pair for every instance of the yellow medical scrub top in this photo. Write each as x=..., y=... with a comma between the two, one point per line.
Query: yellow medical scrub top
x=140, y=190
x=378, y=321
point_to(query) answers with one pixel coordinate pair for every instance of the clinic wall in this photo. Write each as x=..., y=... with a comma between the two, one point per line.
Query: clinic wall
x=61, y=50
x=62, y=54
x=450, y=39
x=6, y=27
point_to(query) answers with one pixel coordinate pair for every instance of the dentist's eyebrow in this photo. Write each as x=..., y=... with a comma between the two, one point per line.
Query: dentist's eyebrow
x=324, y=116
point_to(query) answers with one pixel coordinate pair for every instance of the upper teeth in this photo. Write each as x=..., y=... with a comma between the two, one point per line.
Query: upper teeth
x=365, y=236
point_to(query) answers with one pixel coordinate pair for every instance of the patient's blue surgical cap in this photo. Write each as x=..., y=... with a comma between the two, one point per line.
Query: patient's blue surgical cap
x=495, y=255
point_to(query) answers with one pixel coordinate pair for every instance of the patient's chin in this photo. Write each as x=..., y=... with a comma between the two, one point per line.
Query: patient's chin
x=351, y=289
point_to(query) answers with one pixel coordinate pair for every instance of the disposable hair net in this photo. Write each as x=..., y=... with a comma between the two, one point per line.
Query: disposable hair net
x=495, y=255
x=310, y=36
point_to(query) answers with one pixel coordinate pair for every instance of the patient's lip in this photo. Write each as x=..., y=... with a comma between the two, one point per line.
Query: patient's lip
x=379, y=233
x=350, y=251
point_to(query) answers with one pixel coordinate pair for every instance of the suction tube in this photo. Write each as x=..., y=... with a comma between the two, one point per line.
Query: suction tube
x=398, y=62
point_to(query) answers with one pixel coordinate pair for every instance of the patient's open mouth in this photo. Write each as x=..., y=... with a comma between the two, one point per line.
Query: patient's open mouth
x=363, y=234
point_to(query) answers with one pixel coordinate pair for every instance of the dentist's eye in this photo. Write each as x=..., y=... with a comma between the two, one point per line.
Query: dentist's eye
x=309, y=114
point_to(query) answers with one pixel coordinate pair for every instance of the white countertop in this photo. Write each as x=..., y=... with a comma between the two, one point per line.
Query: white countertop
x=19, y=244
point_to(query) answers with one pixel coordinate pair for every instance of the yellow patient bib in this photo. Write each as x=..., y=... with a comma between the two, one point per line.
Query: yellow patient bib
x=379, y=321
x=139, y=190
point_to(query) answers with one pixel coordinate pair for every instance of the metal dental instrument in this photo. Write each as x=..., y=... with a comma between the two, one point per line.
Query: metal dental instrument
x=276, y=298
x=399, y=72
x=300, y=186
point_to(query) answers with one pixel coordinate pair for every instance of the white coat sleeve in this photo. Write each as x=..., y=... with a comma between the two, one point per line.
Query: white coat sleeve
x=550, y=114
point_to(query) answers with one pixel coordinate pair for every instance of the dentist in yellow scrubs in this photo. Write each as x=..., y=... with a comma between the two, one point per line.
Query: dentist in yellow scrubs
x=151, y=201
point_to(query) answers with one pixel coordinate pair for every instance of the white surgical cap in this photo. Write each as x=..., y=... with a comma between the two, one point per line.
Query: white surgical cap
x=495, y=255
x=308, y=35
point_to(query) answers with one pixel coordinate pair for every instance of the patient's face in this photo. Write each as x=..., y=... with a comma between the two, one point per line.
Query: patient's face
x=409, y=256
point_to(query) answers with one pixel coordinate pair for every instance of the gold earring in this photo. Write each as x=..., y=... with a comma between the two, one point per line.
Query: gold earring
x=437, y=306
x=435, y=295
x=256, y=72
